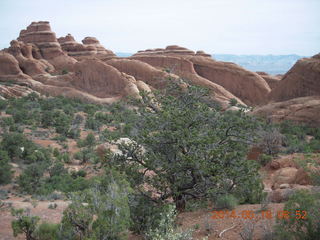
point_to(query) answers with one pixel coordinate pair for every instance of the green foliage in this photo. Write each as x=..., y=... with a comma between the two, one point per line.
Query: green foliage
x=64, y=71
x=264, y=159
x=3, y=104
x=295, y=137
x=87, y=155
x=17, y=145
x=191, y=147
x=5, y=168
x=92, y=123
x=47, y=231
x=296, y=228
x=105, y=214
x=31, y=178
x=24, y=223
x=227, y=201
x=166, y=228
x=233, y=102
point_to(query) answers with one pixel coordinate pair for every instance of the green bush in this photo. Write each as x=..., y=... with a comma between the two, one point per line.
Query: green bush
x=24, y=223
x=47, y=231
x=304, y=217
x=31, y=178
x=106, y=214
x=5, y=168
x=264, y=159
x=166, y=228
x=227, y=201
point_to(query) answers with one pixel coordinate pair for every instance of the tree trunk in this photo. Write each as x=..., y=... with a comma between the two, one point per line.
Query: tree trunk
x=180, y=203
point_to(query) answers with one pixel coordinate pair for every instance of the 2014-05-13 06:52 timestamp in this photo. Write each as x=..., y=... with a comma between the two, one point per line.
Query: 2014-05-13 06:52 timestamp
x=249, y=214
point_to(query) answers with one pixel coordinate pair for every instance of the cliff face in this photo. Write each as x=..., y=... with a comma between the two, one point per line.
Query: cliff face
x=302, y=80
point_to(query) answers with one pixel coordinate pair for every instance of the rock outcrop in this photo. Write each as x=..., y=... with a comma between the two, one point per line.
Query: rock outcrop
x=300, y=110
x=10, y=70
x=200, y=68
x=40, y=34
x=272, y=81
x=302, y=80
x=102, y=80
x=91, y=47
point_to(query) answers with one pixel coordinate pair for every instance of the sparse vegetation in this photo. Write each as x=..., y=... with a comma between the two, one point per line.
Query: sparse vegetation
x=181, y=146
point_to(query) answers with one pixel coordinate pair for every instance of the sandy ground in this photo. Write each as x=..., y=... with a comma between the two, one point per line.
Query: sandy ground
x=201, y=220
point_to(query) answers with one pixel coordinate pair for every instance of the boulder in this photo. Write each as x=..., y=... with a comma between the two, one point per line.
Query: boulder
x=284, y=176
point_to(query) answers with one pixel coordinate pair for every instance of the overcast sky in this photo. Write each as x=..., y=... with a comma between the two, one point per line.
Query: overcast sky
x=216, y=26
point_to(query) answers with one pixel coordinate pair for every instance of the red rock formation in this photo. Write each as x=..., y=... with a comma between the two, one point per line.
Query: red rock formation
x=102, y=80
x=301, y=110
x=200, y=68
x=40, y=34
x=9, y=68
x=9, y=91
x=302, y=80
x=248, y=86
x=184, y=69
x=142, y=71
x=100, y=51
x=29, y=65
x=90, y=48
x=272, y=81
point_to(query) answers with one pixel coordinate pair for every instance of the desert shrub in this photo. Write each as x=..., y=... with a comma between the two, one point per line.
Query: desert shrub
x=5, y=168
x=17, y=145
x=31, y=178
x=57, y=169
x=73, y=133
x=144, y=213
x=3, y=105
x=47, y=231
x=64, y=71
x=105, y=214
x=92, y=123
x=24, y=223
x=80, y=173
x=86, y=155
x=264, y=159
x=227, y=201
x=166, y=228
x=233, y=102
x=304, y=217
x=252, y=192
x=53, y=206
x=64, y=157
x=3, y=194
x=270, y=140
